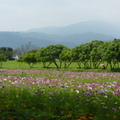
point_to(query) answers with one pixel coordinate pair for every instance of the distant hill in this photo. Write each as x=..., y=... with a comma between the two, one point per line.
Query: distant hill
x=16, y=39
x=101, y=27
x=70, y=36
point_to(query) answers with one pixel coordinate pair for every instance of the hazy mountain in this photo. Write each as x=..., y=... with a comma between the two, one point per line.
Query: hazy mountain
x=101, y=27
x=16, y=39
x=70, y=36
x=69, y=40
x=87, y=37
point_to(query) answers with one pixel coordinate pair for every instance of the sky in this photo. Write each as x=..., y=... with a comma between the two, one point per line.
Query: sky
x=22, y=15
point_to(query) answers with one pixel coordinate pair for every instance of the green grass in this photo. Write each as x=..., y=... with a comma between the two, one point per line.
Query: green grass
x=39, y=66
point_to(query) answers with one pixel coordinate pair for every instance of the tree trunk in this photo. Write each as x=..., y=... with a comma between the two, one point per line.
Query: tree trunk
x=79, y=64
x=20, y=64
x=44, y=64
x=56, y=64
x=49, y=64
x=60, y=64
x=68, y=64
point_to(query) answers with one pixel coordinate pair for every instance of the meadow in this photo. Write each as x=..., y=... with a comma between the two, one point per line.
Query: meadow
x=59, y=95
x=39, y=66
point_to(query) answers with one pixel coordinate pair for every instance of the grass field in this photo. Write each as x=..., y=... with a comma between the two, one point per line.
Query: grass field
x=39, y=66
x=58, y=95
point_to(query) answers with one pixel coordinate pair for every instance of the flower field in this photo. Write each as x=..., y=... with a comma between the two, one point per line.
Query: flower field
x=59, y=95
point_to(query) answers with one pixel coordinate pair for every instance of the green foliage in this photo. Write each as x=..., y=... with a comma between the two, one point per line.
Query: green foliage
x=29, y=58
x=32, y=51
x=7, y=51
x=95, y=55
x=87, y=56
x=2, y=59
x=82, y=54
x=66, y=57
x=76, y=51
x=111, y=53
x=42, y=57
x=50, y=54
x=21, y=58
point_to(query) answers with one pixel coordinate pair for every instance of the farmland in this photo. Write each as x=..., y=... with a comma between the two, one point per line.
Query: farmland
x=59, y=95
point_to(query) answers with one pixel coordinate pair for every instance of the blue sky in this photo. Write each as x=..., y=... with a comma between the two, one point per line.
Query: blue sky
x=22, y=15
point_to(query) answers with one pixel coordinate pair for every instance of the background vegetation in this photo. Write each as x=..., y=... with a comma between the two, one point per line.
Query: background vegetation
x=93, y=55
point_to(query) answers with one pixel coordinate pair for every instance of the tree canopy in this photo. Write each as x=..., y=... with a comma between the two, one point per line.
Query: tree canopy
x=50, y=54
x=90, y=54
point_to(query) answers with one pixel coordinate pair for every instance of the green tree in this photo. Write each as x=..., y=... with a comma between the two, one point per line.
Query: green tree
x=7, y=51
x=29, y=58
x=42, y=57
x=95, y=56
x=76, y=54
x=111, y=53
x=50, y=54
x=96, y=43
x=81, y=54
x=66, y=57
x=21, y=60
x=85, y=54
x=2, y=59
x=102, y=50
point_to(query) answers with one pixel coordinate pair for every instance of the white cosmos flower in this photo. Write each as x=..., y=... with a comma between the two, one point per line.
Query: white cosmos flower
x=89, y=88
x=77, y=91
x=106, y=96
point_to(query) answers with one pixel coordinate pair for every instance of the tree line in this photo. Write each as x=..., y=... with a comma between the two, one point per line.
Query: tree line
x=7, y=53
x=88, y=55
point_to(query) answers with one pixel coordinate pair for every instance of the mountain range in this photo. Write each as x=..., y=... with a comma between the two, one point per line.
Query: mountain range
x=70, y=36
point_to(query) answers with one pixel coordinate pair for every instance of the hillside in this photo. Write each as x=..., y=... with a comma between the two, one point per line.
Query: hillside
x=101, y=27
x=70, y=36
x=16, y=39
